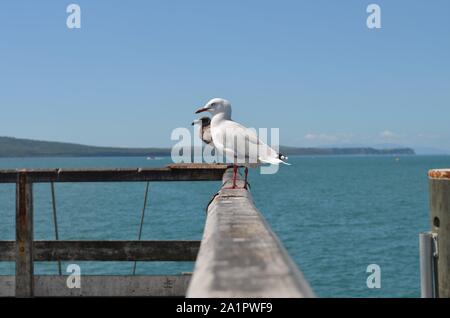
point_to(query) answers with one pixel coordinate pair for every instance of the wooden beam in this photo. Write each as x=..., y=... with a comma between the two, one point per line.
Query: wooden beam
x=103, y=286
x=24, y=236
x=8, y=176
x=174, y=172
x=107, y=250
x=240, y=256
x=7, y=251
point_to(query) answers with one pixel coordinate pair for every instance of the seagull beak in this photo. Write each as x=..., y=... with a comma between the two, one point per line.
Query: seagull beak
x=203, y=109
x=197, y=121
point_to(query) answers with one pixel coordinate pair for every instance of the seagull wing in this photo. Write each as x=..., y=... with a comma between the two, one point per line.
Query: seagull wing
x=243, y=143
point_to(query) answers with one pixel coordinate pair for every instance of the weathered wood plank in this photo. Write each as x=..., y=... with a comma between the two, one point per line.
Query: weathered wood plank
x=7, y=251
x=207, y=166
x=107, y=250
x=175, y=172
x=103, y=286
x=439, y=187
x=24, y=236
x=240, y=256
x=8, y=176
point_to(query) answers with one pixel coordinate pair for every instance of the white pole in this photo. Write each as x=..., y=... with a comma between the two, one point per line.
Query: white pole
x=426, y=264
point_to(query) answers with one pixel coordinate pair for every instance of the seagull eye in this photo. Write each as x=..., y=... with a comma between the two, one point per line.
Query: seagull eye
x=212, y=105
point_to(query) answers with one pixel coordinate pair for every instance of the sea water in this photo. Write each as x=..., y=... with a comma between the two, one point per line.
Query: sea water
x=335, y=215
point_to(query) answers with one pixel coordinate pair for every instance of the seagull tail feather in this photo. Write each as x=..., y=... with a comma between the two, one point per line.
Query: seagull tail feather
x=283, y=158
x=275, y=161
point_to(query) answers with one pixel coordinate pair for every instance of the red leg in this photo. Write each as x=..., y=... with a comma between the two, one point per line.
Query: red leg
x=246, y=174
x=235, y=169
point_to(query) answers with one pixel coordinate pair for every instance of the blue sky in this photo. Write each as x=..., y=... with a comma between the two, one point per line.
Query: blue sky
x=138, y=69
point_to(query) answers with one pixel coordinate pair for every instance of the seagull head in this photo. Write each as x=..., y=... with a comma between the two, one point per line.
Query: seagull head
x=204, y=121
x=217, y=106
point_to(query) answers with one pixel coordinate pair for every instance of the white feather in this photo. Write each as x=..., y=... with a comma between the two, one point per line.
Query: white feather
x=236, y=141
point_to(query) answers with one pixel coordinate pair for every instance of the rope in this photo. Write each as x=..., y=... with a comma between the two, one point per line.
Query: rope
x=142, y=221
x=55, y=222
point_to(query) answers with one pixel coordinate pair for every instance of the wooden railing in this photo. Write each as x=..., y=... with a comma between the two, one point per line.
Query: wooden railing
x=239, y=255
x=24, y=250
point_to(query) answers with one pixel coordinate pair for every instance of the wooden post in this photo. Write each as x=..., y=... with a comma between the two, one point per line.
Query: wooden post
x=24, y=236
x=439, y=182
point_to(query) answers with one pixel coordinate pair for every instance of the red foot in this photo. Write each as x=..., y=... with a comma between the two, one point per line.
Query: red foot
x=229, y=188
x=235, y=187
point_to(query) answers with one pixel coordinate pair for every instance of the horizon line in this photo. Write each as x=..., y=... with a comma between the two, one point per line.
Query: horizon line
x=168, y=147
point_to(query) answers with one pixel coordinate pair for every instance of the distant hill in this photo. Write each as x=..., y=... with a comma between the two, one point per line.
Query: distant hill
x=346, y=151
x=15, y=147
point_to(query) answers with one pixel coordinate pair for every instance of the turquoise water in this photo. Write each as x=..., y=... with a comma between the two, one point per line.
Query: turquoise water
x=335, y=216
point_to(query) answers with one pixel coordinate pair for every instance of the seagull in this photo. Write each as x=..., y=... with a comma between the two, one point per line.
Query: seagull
x=224, y=130
x=205, y=130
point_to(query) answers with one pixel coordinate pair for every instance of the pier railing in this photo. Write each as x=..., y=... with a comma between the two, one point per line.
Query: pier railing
x=239, y=255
